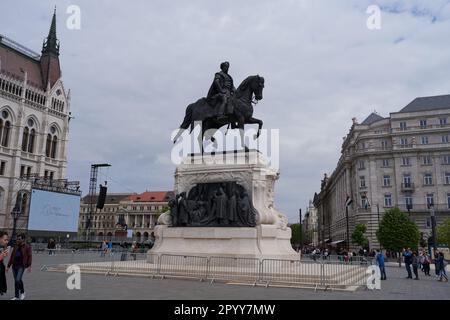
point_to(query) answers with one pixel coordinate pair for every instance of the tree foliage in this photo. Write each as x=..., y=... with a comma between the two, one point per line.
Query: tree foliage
x=443, y=232
x=295, y=238
x=359, y=235
x=397, y=231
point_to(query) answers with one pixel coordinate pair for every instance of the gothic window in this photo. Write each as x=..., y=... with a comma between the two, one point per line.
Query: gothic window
x=52, y=143
x=48, y=145
x=5, y=133
x=25, y=139
x=31, y=141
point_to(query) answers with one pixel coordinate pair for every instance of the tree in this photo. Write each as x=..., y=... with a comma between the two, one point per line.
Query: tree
x=443, y=232
x=295, y=238
x=359, y=237
x=397, y=231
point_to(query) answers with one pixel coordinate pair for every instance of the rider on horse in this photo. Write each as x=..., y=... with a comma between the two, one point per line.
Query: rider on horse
x=220, y=95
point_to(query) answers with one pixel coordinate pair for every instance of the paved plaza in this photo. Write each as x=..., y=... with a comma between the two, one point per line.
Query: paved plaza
x=52, y=285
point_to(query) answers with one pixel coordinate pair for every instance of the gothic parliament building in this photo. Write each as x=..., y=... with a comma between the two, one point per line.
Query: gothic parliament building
x=34, y=123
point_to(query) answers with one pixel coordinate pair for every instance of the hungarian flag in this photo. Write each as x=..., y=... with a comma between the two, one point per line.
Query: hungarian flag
x=348, y=202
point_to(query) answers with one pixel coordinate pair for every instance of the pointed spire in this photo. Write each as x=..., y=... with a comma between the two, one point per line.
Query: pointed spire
x=51, y=44
x=50, y=67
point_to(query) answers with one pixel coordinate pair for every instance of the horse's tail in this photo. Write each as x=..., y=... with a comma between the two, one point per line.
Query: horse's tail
x=186, y=122
x=187, y=117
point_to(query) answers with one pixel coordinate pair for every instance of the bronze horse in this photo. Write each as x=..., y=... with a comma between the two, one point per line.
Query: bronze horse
x=242, y=113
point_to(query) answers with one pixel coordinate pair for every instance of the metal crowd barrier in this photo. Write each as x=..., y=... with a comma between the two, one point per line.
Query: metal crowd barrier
x=320, y=273
x=234, y=269
x=183, y=266
x=292, y=272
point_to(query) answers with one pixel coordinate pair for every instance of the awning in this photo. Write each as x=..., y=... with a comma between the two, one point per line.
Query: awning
x=336, y=242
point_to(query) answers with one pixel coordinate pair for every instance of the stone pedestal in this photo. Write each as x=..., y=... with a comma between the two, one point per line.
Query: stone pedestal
x=270, y=238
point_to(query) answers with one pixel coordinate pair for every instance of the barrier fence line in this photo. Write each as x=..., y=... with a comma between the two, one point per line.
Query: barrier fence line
x=319, y=273
x=237, y=269
x=186, y=266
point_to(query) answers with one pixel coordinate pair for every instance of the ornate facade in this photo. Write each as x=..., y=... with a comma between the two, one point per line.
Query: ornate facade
x=34, y=121
x=400, y=161
x=310, y=227
x=138, y=211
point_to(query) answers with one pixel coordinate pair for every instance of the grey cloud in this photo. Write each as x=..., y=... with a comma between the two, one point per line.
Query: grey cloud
x=134, y=67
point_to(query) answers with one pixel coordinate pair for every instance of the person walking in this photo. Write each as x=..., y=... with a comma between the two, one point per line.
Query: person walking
x=20, y=259
x=51, y=247
x=415, y=265
x=3, y=254
x=426, y=263
x=436, y=264
x=134, y=250
x=380, y=263
x=407, y=254
x=442, y=265
x=103, y=249
x=421, y=260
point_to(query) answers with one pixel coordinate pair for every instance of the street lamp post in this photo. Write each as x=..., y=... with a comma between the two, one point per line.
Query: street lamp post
x=378, y=213
x=15, y=214
x=348, y=229
x=300, y=230
x=433, y=226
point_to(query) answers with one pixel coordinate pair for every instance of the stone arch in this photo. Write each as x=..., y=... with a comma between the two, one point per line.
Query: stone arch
x=37, y=123
x=57, y=127
x=10, y=111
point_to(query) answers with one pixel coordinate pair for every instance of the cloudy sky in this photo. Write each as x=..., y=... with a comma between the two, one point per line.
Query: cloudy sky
x=135, y=65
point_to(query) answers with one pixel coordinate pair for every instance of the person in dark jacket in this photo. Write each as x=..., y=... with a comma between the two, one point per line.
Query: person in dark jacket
x=407, y=254
x=20, y=260
x=415, y=265
x=426, y=263
x=441, y=263
x=436, y=264
x=3, y=255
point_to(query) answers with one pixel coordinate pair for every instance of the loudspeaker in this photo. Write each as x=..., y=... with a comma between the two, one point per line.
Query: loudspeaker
x=101, y=197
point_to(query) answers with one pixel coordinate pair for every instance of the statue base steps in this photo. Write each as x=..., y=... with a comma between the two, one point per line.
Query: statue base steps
x=262, y=241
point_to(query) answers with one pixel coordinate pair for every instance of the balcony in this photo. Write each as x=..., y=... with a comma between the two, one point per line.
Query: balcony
x=423, y=208
x=407, y=187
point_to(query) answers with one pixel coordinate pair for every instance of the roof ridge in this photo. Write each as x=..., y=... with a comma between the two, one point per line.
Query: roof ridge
x=428, y=104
